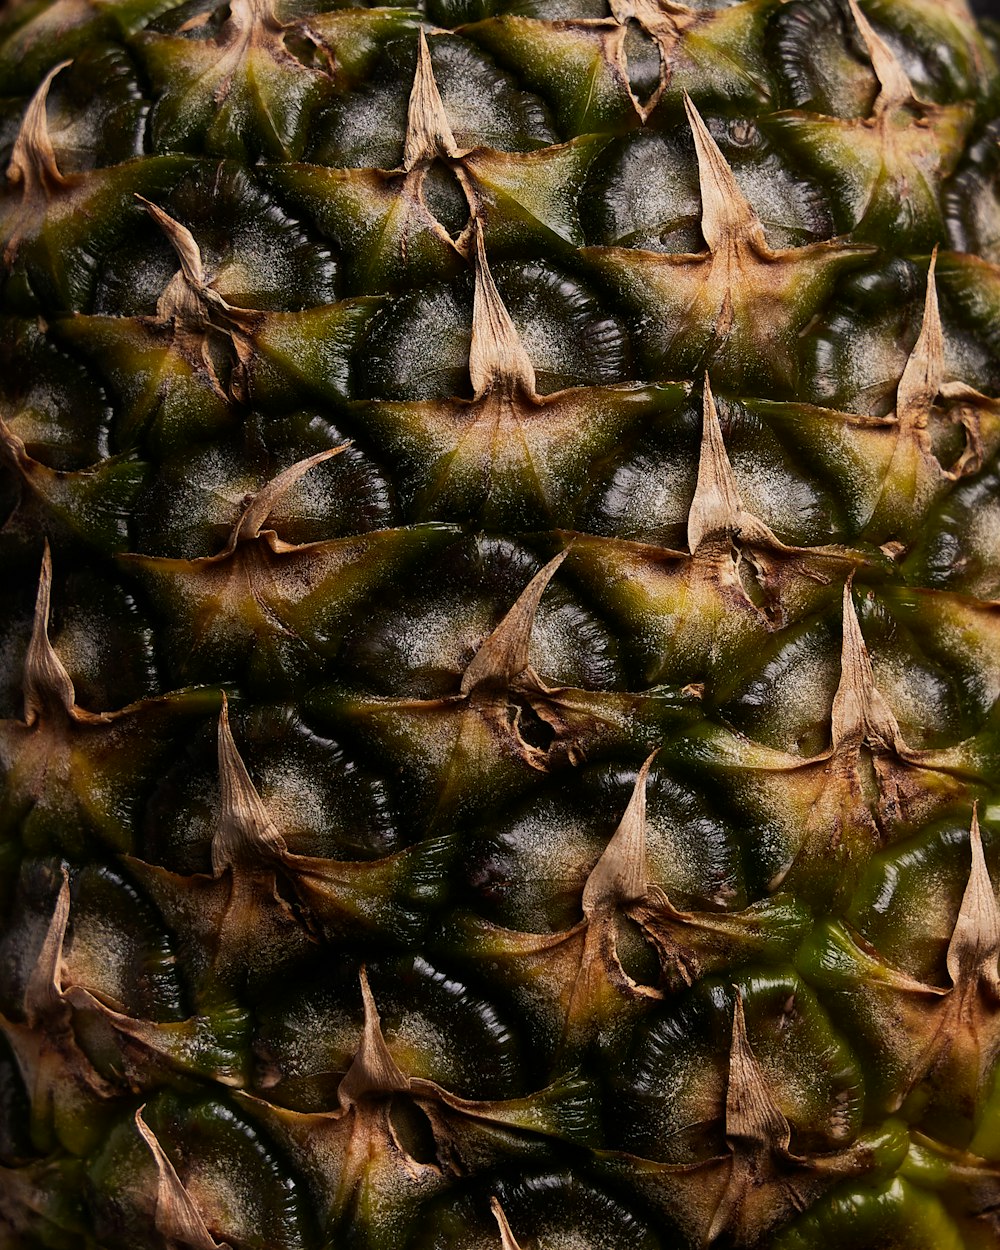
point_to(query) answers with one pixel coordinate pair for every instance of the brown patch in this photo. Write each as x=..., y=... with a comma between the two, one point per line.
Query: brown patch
x=833, y=787
x=722, y=533
x=357, y=1148
x=50, y=487
x=260, y=893
x=965, y=1039
x=766, y=1181
x=946, y=1039
x=740, y=1196
x=743, y=277
x=921, y=386
x=739, y=294
x=180, y=1045
x=582, y=962
x=256, y=572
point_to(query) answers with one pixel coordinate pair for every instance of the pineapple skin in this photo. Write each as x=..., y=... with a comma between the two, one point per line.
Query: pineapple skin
x=501, y=656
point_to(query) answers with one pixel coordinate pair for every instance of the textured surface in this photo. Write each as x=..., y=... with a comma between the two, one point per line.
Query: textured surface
x=500, y=646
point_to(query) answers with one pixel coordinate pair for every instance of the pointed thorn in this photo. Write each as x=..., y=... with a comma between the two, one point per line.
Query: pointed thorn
x=428, y=130
x=504, y=653
x=851, y=702
x=507, y=1241
x=923, y=374
x=33, y=163
x=716, y=506
x=47, y=684
x=244, y=831
x=752, y=1115
x=738, y=1039
x=16, y=451
x=181, y=240
x=620, y=876
x=497, y=359
x=44, y=991
x=860, y=713
x=263, y=503
x=975, y=941
x=896, y=88
x=248, y=16
x=726, y=214
x=177, y=1218
x=373, y=1070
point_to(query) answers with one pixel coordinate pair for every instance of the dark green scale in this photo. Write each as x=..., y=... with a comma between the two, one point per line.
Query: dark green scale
x=499, y=688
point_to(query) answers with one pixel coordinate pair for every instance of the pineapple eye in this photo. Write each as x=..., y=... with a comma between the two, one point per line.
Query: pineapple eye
x=541, y=1208
x=743, y=133
x=972, y=200
x=413, y=1131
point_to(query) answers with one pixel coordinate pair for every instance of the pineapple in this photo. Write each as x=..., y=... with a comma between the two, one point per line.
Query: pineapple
x=500, y=722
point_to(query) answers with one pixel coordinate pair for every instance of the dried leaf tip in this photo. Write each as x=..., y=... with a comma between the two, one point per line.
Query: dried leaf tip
x=620, y=876
x=44, y=993
x=856, y=677
x=373, y=1070
x=181, y=240
x=263, y=503
x=244, y=832
x=188, y=297
x=428, y=130
x=504, y=653
x=16, y=451
x=752, y=1115
x=249, y=17
x=497, y=359
x=727, y=217
x=507, y=1239
x=178, y=1220
x=860, y=714
x=716, y=506
x=896, y=88
x=975, y=941
x=47, y=684
x=923, y=373
x=193, y=309
x=659, y=18
x=33, y=163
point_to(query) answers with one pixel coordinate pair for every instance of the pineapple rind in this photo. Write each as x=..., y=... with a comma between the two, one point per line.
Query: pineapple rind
x=499, y=690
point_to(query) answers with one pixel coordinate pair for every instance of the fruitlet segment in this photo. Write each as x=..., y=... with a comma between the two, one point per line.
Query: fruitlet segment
x=499, y=698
